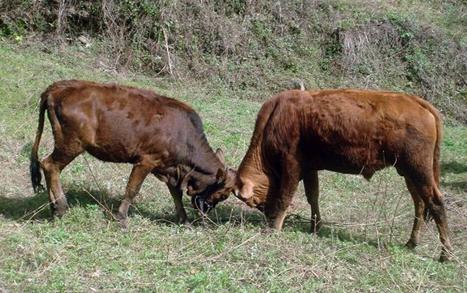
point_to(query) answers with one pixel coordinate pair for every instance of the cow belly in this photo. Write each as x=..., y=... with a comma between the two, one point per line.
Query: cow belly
x=120, y=139
x=111, y=154
x=365, y=171
x=350, y=161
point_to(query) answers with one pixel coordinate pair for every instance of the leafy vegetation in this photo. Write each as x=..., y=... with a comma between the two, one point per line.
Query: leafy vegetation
x=255, y=48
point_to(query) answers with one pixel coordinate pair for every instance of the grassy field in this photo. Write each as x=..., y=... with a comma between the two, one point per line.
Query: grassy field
x=360, y=247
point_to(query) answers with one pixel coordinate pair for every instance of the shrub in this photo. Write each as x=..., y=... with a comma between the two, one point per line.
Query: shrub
x=257, y=47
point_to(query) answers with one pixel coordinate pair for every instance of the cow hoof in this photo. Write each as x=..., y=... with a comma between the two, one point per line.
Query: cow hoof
x=184, y=222
x=186, y=225
x=315, y=228
x=60, y=213
x=58, y=210
x=123, y=226
x=39, y=188
x=411, y=244
x=269, y=230
x=445, y=256
x=123, y=223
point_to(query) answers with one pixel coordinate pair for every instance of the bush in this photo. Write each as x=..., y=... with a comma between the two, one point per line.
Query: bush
x=257, y=47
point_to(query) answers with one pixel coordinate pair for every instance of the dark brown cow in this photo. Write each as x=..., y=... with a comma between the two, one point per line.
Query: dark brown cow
x=121, y=124
x=298, y=133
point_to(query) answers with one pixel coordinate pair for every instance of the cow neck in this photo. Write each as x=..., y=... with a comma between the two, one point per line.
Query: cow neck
x=202, y=158
x=253, y=170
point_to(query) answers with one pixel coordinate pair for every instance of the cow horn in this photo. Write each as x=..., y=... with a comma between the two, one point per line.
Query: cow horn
x=184, y=180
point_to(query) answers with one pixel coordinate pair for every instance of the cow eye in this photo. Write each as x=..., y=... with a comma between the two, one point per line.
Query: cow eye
x=194, y=184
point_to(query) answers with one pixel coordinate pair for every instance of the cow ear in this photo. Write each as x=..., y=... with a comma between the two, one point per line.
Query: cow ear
x=190, y=190
x=231, y=177
x=220, y=156
x=221, y=175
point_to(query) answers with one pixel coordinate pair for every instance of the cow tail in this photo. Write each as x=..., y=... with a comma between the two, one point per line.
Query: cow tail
x=439, y=137
x=436, y=160
x=34, y=166
x=428, y=214
x=437, y=152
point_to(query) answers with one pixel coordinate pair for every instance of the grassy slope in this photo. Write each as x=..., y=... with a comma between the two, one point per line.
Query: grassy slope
x=359, y=248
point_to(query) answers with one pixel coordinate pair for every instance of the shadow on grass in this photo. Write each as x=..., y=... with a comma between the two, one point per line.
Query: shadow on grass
x=460, y=185
x=453, y=167
x=221, y=215
x=37, y=206
x=34, y=207
x=235, y=216
x=330, y=231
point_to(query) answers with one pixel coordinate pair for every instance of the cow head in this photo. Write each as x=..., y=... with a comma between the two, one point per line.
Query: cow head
x=229, y=181
x=199, y=185
x=216, y=192
x=226, y=182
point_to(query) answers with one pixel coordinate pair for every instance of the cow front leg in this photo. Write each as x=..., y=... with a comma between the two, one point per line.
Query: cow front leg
x=276, y=205
x=137, y=176
x=177, y=195
x=310, y=181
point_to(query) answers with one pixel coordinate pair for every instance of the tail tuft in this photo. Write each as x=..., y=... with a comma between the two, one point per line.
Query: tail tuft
x=427, y=215
x=34, y=166
x=36, y=176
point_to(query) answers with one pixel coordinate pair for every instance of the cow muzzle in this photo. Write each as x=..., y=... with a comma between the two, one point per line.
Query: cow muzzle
x=201, y=204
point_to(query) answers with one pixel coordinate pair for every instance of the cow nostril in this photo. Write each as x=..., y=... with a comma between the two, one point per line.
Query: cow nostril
x=197, y=202
x=202, y=205
x=206, y=207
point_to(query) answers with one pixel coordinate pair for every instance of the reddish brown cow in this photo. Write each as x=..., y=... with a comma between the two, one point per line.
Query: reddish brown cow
x=121, y=124
x=298, y=133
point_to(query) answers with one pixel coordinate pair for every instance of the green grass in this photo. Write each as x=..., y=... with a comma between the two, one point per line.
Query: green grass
x=359, y=248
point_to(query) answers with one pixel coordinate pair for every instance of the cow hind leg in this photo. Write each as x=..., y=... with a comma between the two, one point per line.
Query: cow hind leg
x=434, y=206
x=52, y=167
x=438, y=211
x=310, y=181
x=137, y=176
x=276, y=206
x=419, y=215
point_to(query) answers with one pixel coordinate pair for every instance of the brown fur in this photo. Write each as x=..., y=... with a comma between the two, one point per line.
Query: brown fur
x=349, y=131
x=122, y=124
